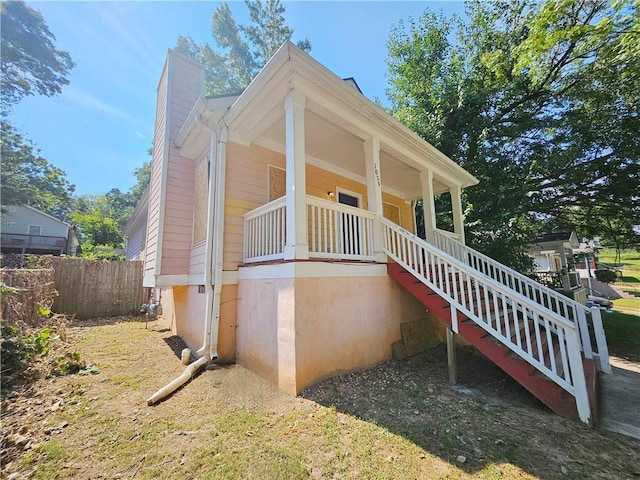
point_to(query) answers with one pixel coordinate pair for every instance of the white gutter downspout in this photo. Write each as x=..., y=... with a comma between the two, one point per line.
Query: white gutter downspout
x=218, y=238
x=213, y=259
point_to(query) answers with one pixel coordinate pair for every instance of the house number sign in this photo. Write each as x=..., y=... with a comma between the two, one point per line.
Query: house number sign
x=377, y=173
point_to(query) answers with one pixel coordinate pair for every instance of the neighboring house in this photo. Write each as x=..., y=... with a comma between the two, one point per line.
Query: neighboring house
x=28, y=230
x=280, y=235
x=586, y=256
x=135, y=231
x=555, y=266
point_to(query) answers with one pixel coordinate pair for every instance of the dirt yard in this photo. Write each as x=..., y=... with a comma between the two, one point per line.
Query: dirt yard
x=399, y=420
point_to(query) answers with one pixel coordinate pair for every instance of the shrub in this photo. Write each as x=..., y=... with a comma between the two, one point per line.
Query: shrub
x=19, y=351
x=606, y=276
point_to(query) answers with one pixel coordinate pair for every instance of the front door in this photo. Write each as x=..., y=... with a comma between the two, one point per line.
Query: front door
x=349, y=225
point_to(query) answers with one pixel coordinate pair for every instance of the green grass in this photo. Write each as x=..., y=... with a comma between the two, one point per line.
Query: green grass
x=623, y=333
x=629, y=259
x=51, y=454
x=627, y=304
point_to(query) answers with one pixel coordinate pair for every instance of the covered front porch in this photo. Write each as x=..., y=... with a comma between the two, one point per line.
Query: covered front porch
x=346, y=163
x=341, y=175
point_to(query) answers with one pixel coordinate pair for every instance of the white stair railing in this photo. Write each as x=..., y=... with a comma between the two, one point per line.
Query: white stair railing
x=540, y=336
x=547, y=297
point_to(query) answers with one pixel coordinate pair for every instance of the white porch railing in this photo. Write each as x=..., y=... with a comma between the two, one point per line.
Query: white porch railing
x=540, y=336
x=264, y=232
x=335, y=231
x=546, y=297
x=339, y=231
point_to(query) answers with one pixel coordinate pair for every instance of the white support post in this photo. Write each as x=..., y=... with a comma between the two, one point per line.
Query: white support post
x=565, y=268
x=374, y=193
x=456, y=207
x=577, y=376
x=428, y=205
x=296, y=246
x=601, y=341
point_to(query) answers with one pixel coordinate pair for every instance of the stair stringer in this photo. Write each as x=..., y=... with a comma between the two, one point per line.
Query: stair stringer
x=547, y=391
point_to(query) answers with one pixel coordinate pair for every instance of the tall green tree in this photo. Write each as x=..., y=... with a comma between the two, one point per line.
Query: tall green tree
x=142, y=175
x=31, y=64
x=29, y=179
x=538, y=99
x=240, y=50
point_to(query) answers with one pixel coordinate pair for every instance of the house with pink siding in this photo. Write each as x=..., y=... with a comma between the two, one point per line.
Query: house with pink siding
x=281, y=235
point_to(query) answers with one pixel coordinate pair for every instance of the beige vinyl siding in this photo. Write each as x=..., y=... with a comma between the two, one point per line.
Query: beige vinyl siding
x=246, y=189
x=196, y=259
x=320, y=182
x=176, y=244
x=155, y=184
x=177, y=238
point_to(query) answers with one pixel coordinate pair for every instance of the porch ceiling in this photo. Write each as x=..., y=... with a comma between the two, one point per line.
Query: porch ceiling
x=330, y=145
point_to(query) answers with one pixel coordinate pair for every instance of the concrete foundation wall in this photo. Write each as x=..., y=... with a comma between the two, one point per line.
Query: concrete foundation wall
x=345, y=324
x=302, y=322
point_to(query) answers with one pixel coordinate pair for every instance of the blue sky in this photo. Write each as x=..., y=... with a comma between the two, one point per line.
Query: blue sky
x=101, y=126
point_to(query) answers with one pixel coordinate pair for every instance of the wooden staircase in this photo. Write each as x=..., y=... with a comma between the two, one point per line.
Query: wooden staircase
x=537, y=336
x=547, y=391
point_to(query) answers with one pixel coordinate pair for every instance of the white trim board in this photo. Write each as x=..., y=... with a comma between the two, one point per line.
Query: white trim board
x=312, y=270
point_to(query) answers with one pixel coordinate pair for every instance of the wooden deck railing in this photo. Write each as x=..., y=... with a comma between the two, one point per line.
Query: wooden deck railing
x=18, y=240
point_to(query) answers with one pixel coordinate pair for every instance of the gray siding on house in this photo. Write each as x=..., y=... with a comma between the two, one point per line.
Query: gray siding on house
x=17, y=220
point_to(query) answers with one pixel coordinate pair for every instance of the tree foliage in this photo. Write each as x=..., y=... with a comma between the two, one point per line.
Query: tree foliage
x=142, y=175
x=539, y=100
x=240, y=50
x=28, y=179
x=99, y=220
x=31, y=64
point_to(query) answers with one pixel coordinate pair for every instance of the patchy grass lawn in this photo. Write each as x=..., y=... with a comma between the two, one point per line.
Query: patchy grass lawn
x=623, y=334
x=400, y=420
x=629, y=281
x=629, y=259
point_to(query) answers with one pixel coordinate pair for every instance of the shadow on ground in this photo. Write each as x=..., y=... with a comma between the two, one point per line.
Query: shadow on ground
x=484, y=421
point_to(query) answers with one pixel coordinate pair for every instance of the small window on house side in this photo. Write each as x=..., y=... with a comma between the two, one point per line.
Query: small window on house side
x=35, y=229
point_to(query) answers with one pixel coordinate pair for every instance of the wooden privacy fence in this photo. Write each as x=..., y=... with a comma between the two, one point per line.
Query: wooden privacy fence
x=97, y=288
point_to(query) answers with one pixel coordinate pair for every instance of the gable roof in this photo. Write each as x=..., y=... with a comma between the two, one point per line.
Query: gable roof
x=292, y=68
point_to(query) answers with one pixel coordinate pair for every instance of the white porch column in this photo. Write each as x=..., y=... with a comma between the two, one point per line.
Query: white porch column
x=374, y=192
x=456, y=207
x=565, y=268
x=296, y=245
x=428, y=205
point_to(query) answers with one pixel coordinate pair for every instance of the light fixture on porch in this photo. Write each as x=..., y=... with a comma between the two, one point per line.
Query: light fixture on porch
x=331, y=195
